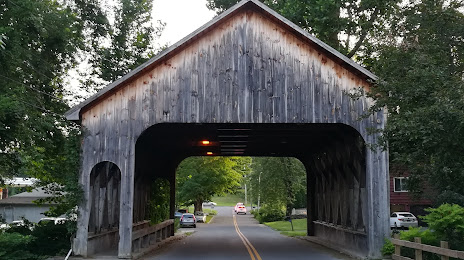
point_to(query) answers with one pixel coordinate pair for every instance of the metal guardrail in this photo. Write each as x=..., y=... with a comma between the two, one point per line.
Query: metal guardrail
x=442, y=251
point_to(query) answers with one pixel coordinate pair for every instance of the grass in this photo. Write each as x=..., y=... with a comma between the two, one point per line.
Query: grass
x=285, y=227
x=208, y=218
x=229, y=199
x=205, y=210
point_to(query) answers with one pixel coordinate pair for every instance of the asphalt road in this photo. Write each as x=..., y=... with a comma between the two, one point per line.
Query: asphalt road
x=230, y=236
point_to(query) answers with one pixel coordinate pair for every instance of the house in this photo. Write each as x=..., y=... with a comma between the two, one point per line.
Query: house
x=22, y=206
x=402, y=200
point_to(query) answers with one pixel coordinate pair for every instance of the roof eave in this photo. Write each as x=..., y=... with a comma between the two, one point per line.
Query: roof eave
x=74, y=114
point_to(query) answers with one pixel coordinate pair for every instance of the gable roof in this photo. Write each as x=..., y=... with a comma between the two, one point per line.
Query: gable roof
x=27, y=198
x=255, y=5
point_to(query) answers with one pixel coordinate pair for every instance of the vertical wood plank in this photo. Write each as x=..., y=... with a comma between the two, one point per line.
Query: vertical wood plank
x=418, y=252
x=444, y=244
x=397, y=247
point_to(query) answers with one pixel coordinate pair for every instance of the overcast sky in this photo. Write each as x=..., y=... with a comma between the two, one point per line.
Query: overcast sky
x=181, y=17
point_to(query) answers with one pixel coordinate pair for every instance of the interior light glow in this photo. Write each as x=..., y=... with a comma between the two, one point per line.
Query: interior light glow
x=205, y=142
x=209, y=153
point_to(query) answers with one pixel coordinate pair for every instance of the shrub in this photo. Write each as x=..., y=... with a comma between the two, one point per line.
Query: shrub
x=388, y=248
x=15, y=246
x=50, y=239
x=270, y=213
x=427, y=237
x=176, y=224
x=447, y=222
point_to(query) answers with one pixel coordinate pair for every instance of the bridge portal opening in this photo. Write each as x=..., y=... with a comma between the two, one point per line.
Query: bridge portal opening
x=334, y=157
x=105, y=192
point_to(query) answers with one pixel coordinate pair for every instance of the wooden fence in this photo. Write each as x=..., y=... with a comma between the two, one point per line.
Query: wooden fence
x=146, y=237
x=442, y=251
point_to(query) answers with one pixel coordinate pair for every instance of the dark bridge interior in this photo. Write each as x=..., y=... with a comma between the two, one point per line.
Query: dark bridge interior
x=183, y=140
x=333, y=155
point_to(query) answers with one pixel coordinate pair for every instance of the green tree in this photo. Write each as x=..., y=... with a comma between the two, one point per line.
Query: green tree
x=277, y=181
x=39, y=41
x=131, y=40
x=158, y=205
x=350, y=26
x=200, y=178
x=421, y=84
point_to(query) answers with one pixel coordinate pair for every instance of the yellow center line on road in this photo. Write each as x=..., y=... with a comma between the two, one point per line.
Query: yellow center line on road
x=246, y=242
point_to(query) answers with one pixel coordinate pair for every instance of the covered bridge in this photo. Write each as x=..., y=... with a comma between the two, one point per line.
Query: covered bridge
x=254, y=84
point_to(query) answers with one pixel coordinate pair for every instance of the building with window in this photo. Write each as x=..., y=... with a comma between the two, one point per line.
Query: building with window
x=402, y=200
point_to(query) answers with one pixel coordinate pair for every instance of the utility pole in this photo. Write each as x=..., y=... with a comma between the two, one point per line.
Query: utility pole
x=245, y=195
x=259, y=189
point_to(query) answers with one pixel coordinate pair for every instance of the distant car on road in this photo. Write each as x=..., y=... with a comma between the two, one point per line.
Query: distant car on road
x=237, y=205
x=240, y=208
x=177, y=214
x=403, y=219
x=200, y=216
x=209, y=203
x=188, y=220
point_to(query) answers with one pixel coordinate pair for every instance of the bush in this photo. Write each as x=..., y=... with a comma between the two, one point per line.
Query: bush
x=427, y=237
x=15, y=246
x=176, y=224
x=388, y=248
x=269, y=213
x=447, y=222
x=51, y=239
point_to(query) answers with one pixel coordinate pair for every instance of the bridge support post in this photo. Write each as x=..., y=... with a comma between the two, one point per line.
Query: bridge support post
x=127, y=200
x=310, y=197
x=378, y=201
x=80, y=242
x=172, y=202
x=310, y=200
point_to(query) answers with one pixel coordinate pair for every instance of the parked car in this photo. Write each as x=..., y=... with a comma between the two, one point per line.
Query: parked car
x=403, y=219
x=188, y=220
x=209, y=203
x=200, y=216
x=177, y=214
x=55, y=221
x=240, y=208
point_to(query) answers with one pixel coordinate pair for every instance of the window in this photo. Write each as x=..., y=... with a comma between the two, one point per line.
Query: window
x=400, y=184
x=393, y=215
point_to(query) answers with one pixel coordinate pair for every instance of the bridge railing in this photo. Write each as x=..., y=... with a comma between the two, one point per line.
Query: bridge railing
x=145, y=237
x=442, y=251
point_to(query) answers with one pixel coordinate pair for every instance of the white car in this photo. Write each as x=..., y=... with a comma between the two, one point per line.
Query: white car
x=200, y=216
x=403, y=219
x=55, y=221
x=209, y=203
x=240, y=208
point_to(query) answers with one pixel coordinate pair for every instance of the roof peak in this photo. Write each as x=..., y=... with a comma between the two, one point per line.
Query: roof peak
x=74, y=113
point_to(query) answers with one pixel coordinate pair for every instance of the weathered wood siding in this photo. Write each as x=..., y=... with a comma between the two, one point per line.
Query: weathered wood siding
x=247, y=70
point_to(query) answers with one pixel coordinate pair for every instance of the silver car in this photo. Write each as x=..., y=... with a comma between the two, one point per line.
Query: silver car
x=188, y=220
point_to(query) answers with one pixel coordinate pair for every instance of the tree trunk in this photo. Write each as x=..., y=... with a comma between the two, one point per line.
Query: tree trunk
x=198, y=205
